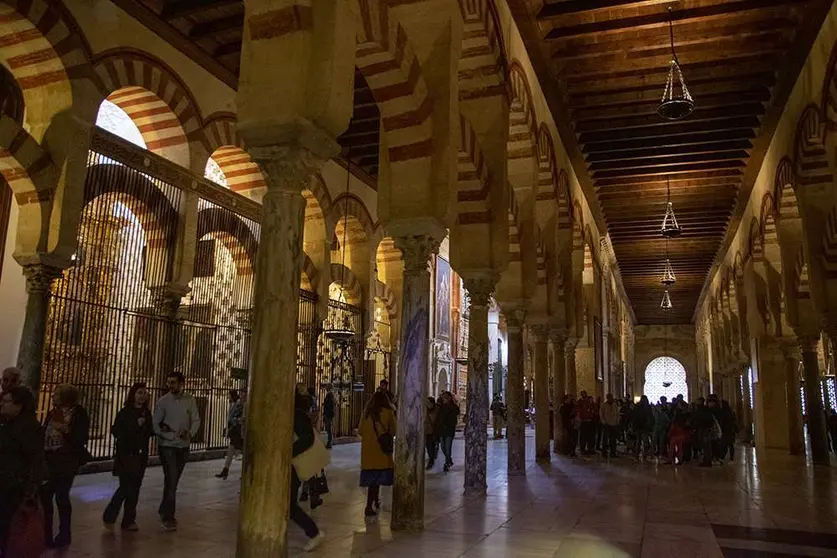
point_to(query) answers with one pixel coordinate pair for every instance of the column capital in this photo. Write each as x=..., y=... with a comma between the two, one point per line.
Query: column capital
x=514, y=318
x=416, y=251
x=39, y=277
x=808, y=342
x=480, y=286
x=558, y=336
x=539, y=331
x=167, y=298
x=570, y=345
x=789, y=347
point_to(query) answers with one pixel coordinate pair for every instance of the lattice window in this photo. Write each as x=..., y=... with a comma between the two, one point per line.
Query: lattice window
x=665, y=376
x=117, y=122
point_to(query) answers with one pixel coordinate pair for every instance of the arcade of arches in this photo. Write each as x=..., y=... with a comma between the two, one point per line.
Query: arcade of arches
x=174, y=189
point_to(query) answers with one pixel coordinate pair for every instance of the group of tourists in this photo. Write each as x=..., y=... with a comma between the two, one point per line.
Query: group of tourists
x=440, y=422
x=39, y=462
x=674, y=431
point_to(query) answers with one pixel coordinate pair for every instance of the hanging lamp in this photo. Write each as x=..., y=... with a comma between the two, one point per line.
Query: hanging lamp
x=677, y=102
x=668, y=273
x=670, y=228
x=666, y=303
x=342, y=333
x=666, y=381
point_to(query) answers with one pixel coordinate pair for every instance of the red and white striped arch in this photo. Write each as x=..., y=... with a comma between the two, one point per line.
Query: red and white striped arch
x=227, y=150
x=473, y=206
x=482, y=64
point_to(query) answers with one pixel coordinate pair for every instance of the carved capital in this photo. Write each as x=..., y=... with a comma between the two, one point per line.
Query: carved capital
x=539, y=332
x=39, y=278
x=789, y=348
x=416, y=251
x=569, y=346
x=558, y=336
x=808, y=343
x=514, y=320
x=167, y=299
x=480, y=288
x=290, y=154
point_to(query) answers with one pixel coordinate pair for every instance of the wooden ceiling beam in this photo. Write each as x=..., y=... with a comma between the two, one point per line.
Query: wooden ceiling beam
x=174, y=9
x=555, y=9
x=694, y=137
x=656, y=153
x=224, y=24
x=746, y=110
x=666, y=129
x=645, y=162
x=699, y=92
x=624, y=108
x=669, y=169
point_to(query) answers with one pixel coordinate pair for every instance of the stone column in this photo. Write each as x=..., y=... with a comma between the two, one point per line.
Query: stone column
x=476, y=430
x=747, y=403
x=813, y=399
x=408, y=493
x=539, y=334
x=559, y=382
x=516, y=428
x=572, y=383
x=166, y=302
x=265, y=479
x=796, y=437
x=30, y=356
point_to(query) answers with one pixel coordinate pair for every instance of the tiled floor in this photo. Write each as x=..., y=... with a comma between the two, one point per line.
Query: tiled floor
x=572, y=508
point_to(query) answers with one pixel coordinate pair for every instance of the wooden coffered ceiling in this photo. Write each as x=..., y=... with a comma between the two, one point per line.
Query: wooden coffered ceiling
x=210, y=31
x=603, y=65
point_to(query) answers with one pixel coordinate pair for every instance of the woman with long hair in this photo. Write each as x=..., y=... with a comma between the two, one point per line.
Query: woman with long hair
x=377, y=432
x=132, y=430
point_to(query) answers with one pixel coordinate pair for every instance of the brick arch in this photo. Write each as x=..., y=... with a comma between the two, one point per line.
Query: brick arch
x=756, y=242
x=767, y=216
x=233, y=233
x=482, y=63
x=515, y=250
x=385, y=294
x=522, y=139
x=784, y=191
x=24, y=164
x=220, y=130
x=565, y=205
x=548, y=169
x=243, y=175
x=801, y=282
x=811, y=158
x=351, y=205
x=578, y=226
x=344, y=277
x=473, y=206
x=388, y=63
x=42, y=46
x=161, y=105
x=310, y=274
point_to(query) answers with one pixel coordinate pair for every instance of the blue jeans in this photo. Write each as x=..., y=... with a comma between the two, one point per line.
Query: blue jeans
x=447, y=447
x=173, y=460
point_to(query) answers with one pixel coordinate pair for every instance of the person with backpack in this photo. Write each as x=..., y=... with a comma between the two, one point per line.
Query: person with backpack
x=377, y=435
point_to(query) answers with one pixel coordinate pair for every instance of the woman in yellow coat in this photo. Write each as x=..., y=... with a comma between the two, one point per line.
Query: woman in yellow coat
x=377, y=431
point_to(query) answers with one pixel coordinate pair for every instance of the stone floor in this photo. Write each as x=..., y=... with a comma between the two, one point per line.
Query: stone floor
x=776, y=506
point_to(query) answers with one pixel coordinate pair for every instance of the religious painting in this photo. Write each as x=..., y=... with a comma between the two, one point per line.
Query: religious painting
x=443, y=276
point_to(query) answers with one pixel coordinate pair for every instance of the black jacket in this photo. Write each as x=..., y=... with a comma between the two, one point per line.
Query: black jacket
x=21, y=454
x=328, y=406
x=67, y=461
x=304, y=432
x=448, y=417
x=131, y=436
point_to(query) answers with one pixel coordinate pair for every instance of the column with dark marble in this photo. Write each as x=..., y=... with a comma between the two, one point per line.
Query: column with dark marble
x=516, y=428
x=539, y=336
x=480, y=287
x=166, y=300
x=408, y=492
x=559, y=382
x=796, y=439
x=265, y=478
x=813, y=399
x=572, y=382
x=39, y=280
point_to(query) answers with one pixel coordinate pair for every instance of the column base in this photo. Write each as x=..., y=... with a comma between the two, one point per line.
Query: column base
x=408, y=526
x=475, y=491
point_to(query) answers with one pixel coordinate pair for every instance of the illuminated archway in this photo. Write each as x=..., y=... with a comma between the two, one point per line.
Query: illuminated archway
x=665, y=376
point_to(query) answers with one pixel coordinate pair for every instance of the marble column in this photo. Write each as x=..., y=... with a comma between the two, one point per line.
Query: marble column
x=516, y=428
x=813, y=399
x=30, y=356
x=539, y=334
x=572, y=380
x=265, y=478
x=408, y=492
x=559, y=382
x=796, y=436
x=476, y=430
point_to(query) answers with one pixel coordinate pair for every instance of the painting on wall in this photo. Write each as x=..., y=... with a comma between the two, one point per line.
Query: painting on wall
x=443, y=276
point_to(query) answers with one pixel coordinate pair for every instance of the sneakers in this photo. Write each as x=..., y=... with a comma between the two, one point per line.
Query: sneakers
x=169, y=525
x=315, y=542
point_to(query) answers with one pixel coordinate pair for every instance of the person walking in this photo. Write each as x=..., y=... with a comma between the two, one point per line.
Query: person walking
x=328, y=416
x=234, y=431
x=498, y=413
x=703, y=421
x=303, y=441
x=662, y=422
x=21, y=456
x=65, y=451
x=569, y=420
x=587, y=427
x=431, y=420
x=132, y=429
x=643, y=424
x=176, y=423
x=377, y=432
x=610, y=417
x=448, y=418
x=729, y=426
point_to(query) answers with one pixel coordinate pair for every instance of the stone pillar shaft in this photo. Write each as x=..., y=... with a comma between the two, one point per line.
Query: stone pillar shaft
x=516, y=428
x=813, y=400
x=265, y=479
x=541, y=394
x=476, y=430
x=796, y=440
x=572, y=383
x=559, y=380
x=408, y=493
x=30, y=356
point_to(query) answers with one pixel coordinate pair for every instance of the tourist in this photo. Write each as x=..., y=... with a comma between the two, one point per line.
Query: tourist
x=21, y=455
x=729, y=427
x=132, y=429
x=498, y=416
x=315, y=407
x=384, y=387
x=610, y=417
x=598, y=427
x=305, y=440
x=377, y=433
x=431, y=440
x=446, y=428
x=234, y=431
x=586, y=410
x=662, y=422
x=642, y=423
x=678, y=435
x=65, y=451
x=176, y=423
x=328, y=416
x=307, y=401
x=703, y=423
x=569, y=423
x=10, y=379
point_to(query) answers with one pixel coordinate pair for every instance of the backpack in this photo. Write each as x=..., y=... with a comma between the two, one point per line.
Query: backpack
x=386, y=441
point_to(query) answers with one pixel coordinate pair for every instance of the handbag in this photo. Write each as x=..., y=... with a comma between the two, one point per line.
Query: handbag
x=386, y=440
x=321, y=484
x=313, y=460
x=26, y=538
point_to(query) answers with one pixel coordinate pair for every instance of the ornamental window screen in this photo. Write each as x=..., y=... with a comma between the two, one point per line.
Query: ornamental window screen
x=665, y=376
